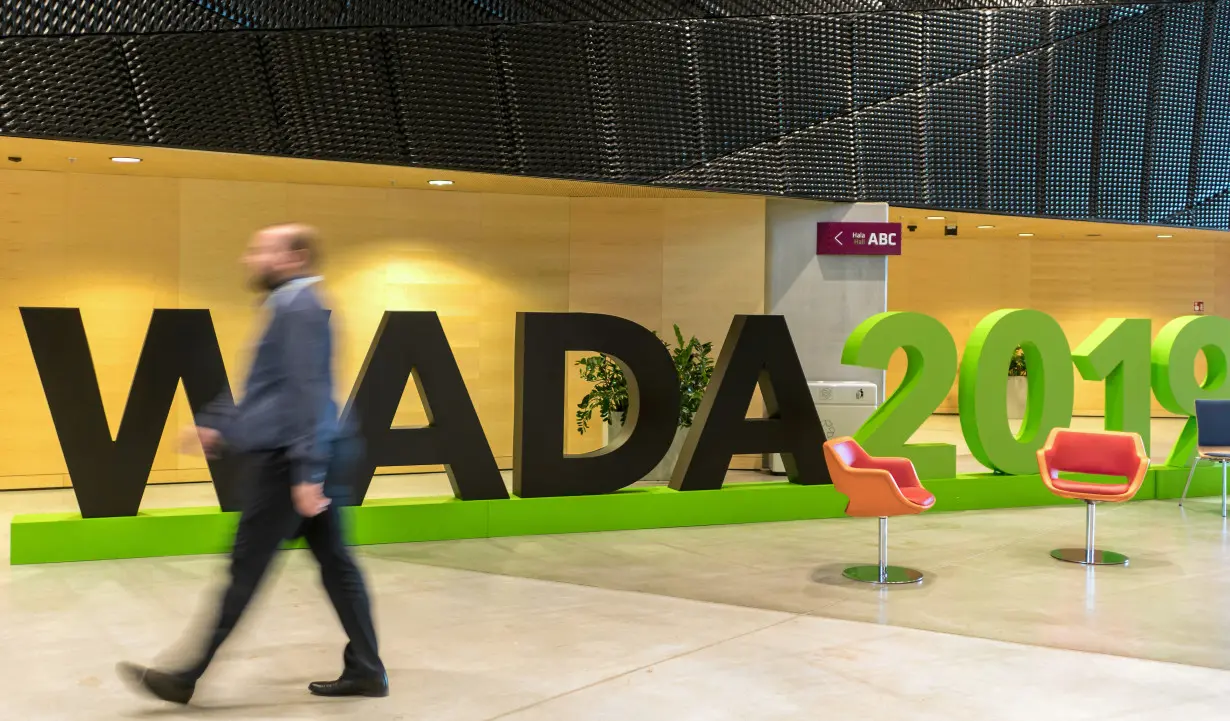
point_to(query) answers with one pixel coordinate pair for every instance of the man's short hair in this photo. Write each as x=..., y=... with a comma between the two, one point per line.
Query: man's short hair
x=303, y=238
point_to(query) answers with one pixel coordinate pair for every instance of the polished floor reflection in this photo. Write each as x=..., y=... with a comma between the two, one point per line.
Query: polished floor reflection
x=735, y=622
x=989, y=574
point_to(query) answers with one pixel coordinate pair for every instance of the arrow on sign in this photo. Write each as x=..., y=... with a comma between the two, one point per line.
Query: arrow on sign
x=838, y=237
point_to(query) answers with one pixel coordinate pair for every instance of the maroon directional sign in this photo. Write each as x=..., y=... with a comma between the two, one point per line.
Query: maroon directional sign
x=858, y=239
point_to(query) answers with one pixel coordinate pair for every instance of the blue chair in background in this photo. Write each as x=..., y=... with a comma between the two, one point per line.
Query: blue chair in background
x=1213, y=442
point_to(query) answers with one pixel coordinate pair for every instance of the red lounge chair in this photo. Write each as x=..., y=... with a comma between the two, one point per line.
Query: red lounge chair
x=877, y=488
x=1107, y=453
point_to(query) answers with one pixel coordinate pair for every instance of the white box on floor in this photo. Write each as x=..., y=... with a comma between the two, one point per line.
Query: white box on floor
x=843, y=406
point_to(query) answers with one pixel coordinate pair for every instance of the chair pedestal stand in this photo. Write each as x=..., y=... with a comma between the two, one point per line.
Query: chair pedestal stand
x=1090, y=556
x=883, y=573
x=1192, y=472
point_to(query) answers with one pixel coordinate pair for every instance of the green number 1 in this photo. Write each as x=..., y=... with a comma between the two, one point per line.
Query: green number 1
x=1118, y=352
x=930, y=372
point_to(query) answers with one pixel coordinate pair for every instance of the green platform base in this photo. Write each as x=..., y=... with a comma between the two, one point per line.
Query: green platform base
x=57, y=537
x=1170, y=480
x=932, y=460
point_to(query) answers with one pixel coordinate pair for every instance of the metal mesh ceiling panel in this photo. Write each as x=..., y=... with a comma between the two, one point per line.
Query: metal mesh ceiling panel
x=449, y=90
x=1072, y=96
x=333, y=95
x=202, y=91
x=68, y=87
x=65, y=17
x=1116, y=112
x=651, y=105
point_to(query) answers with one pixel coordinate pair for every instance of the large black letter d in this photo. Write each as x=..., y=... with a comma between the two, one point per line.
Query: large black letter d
x=540, y=467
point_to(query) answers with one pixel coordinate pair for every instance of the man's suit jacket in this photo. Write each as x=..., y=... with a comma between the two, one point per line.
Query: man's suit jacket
x=288, y=401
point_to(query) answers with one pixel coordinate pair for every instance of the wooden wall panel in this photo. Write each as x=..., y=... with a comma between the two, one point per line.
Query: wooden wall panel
x=1080, y=282
x=525, y=263
x=957, y=282
x=34, y=220
x=119, y=247
x=710, y=249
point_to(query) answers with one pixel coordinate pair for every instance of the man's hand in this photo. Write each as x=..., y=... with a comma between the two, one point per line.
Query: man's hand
x=309, y=499
x=210, y=440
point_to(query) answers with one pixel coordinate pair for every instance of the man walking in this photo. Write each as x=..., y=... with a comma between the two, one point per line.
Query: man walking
x=286, y=428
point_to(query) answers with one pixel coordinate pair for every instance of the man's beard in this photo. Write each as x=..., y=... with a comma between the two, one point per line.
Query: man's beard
x=263, y=283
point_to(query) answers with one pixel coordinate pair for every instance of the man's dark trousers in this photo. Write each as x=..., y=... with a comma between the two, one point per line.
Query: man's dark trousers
x=268, y=519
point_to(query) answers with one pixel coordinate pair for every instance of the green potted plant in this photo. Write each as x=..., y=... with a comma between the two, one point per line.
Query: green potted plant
x=1018, y=385
x=609, y=396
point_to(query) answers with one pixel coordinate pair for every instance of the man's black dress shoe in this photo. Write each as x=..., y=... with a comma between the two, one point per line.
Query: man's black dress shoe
x=377, y=687
x=159, y=684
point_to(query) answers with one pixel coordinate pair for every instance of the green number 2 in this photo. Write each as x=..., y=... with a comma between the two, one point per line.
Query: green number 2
x=930, y=371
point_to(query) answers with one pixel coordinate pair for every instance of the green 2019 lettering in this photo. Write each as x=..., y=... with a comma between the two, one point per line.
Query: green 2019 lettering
x=1119, y=353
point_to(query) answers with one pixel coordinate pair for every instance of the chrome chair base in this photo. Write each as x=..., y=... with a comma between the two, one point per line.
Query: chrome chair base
x=1080, y=555
x=886, y=575
x=1089, y=555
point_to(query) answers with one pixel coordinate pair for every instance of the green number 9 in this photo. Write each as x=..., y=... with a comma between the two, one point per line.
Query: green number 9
x=1174, y=377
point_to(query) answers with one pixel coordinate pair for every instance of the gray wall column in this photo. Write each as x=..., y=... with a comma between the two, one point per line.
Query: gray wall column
x=823, y=298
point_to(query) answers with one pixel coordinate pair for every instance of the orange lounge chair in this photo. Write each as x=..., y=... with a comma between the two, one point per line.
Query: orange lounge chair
x=877, y=488
x=1107, y=453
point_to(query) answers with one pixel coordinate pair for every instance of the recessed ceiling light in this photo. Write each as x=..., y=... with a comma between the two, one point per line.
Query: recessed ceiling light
x=1026, y=235
x=125, y=159
x=439, y=182
x=985, y=227
x=1165, y=236
x=935, y=217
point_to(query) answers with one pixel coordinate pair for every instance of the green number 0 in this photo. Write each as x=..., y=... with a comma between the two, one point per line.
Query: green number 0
x=983, y=389
x=1174, y=377
x=930, y=371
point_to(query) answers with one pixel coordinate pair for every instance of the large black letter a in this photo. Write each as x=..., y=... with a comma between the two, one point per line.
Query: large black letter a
x=758, y=348
x=413, y=342
x=108, y=475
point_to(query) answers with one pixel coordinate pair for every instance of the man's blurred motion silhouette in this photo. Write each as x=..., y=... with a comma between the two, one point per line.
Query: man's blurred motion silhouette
x=296, y=455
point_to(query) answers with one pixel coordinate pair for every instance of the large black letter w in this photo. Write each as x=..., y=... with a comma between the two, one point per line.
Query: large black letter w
x=108, y=475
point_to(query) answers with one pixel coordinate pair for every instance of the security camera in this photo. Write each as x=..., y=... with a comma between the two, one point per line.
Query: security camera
x=911, y=228
x=14, y=158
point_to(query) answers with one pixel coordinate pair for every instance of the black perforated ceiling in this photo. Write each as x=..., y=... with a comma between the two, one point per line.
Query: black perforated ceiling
x=1115, y=112
x=66, y=17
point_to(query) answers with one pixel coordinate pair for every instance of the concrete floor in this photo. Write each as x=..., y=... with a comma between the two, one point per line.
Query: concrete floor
x=746, y=622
